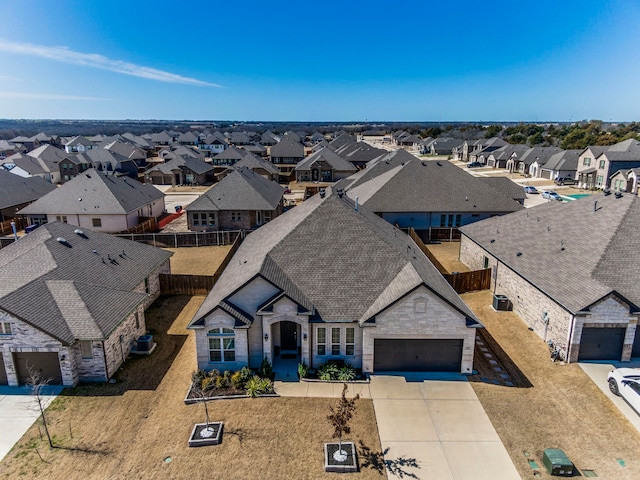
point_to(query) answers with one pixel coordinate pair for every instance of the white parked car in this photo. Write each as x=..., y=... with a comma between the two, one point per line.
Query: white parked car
x=625, y=382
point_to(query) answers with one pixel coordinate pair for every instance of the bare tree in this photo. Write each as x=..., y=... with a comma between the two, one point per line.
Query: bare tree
x=199, y=391
x=37, y=384
x=341, y=415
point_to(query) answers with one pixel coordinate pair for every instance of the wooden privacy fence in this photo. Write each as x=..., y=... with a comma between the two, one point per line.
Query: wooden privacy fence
x=418, y=241
x=469, y=281
x=171, y=284
x=5, y=227
x=461, y=282
x=148, y=225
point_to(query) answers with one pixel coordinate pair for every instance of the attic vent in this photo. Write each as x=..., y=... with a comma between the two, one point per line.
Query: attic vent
x=519, y=254
x=618, y=194
x=88, y=176
x=63, y=241
x=77, y=231
x=606, y=192
x=492, y=240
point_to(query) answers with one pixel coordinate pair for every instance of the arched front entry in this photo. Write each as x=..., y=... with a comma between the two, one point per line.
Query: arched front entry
x=286, y=338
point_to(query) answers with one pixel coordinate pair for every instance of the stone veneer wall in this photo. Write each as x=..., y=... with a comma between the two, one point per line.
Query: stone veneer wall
x=25, y=338
x=130, y=332
x=404, y=320
x=546, y=317
x=154, y=283
x=220, y=318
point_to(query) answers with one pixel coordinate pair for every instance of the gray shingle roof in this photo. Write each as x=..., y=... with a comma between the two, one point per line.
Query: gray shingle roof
x=93, y=191
x=406, y=184
x=566, y=160
x=575, y=253
x=287, y=148
x=74, y=291
x=15, y=190
x=254, y=162
x=327, y=156
x=348, y=265
x=242, y=189
x=505, y=186
x=197, y=166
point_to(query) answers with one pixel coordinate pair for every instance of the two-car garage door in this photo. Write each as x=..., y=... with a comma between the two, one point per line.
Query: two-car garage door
x=417, y=355
x=601, y=343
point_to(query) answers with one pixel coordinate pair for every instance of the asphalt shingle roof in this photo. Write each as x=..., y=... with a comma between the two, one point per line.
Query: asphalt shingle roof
x=80, y=289
x=242, y=189
x=16, y=190
x=93, y=191
x=348, y=265
x=406, y=184
x=576, y=252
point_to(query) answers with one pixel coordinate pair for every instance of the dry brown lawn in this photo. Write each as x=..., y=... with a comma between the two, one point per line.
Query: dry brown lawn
x=197, y=260
x=131, y=428
x=561, y=408
x=447, y=253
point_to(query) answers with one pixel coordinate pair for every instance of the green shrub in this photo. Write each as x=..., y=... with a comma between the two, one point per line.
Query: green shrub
x=206, y=383
x=303, y=370
x=346, y=373
x=328, y=371
x=265, y=370
x=258, y=386
x=241, y=377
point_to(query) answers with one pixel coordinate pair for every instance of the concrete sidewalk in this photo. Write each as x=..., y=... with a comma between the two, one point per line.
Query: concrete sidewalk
x=18, y=411
x=438, y=423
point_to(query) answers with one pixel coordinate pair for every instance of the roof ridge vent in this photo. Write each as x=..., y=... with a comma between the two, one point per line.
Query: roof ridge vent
x=61, y=240
x=77, y=231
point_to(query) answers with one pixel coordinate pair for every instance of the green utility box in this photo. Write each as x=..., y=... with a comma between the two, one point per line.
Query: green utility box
x=557, y=463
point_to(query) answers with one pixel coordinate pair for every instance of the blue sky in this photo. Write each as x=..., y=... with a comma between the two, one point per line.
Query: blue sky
x=352, y=60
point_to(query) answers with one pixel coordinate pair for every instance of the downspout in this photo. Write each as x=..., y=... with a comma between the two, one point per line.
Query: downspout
x=495, y=282
x=570, y=339
x=106, y=364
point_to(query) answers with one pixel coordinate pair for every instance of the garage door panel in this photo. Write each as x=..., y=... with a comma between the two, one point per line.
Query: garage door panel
x=45, y=363
x=3, y=372
x=601, y=343
x=417, y=355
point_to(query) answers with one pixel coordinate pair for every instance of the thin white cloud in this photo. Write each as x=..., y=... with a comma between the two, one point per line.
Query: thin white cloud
x=46, y=96
x=94, y=60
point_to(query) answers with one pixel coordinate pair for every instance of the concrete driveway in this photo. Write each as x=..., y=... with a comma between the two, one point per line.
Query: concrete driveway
x=18, y=411
x=442, y=425
x=598, y=373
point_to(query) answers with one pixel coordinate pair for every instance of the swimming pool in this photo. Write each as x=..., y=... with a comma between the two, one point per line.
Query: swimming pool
x=577, y=196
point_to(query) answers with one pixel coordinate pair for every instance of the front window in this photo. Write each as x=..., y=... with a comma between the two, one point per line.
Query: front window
x=61, y=218
x=212, y=219
x=86, y=349
x=350, y=341
x=96, y=222
x=266, y=216
x=196, y=219
x=5, y=328
x=146, y=285
x=321, y=341
x=586, y=161
x=335, y=341
x=601, y=166
x=599, y=180
x=222, y=345
x=236, y=216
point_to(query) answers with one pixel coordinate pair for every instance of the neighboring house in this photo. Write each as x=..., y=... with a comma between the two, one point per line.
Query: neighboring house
x=286, y=154
x=7, y=149
x=323, y=166
x=326, y=282
x=561, y=165
x=72, y=303
x=188, y=138
x=621, y=181
x=500, y=156
x=594, y=171
x=569, y=270
x=27, y=166
x=79, y=144
x=108, y=162
x=479, y=150
x=17, y=192
x=424, y=147
x=243, y=200
x=632, y=180
x=161, y=139
x=229, y=157
x=531, y=161
x=239, y=138
x=180, y=171
x=258, y=165
x=408, y=192
x=357, y=153
x=268, y=139
x=97, y=201
x=52, y=159
x=444, y=146
x=213, y=145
